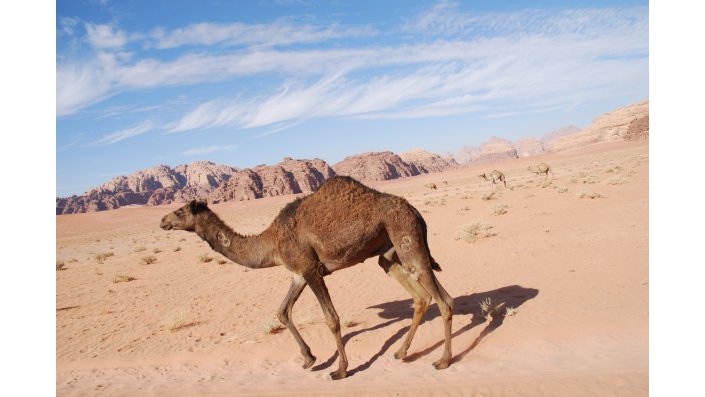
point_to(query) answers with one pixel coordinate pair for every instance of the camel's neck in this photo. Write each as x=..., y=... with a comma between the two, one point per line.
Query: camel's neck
x=248, y=251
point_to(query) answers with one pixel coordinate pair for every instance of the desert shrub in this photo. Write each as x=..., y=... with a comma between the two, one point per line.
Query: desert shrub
x=489, y=196
x=60, y=265
x=273, y=326
x=590, y=195
x=590, y=179
x=149, y=259
x=617, y=180
x=562, y=189
x=221, y=261
x=475, y=231
x=156, y=250
x=500, y=209
x=140, y=248
x=177, y=249
x=179, y=320
x=123, y=279
x=100, y=258
x=205, y=258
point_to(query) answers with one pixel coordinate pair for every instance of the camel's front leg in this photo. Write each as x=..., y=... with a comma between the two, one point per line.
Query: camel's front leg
x=298, y=284
x=318, y=286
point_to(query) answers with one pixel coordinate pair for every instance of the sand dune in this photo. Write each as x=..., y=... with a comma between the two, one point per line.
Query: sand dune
x=574, y=269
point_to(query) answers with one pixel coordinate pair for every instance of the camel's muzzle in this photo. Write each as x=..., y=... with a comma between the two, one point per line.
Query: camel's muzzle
x=165, y=225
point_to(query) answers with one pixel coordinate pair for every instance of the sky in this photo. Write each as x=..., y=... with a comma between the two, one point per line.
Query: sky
x=140, y=84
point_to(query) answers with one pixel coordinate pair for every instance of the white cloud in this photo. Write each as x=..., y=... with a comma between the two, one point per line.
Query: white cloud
x=104, y=36
x=208, y=150
x=529, y=57
x=271, y=34
x=118, y=136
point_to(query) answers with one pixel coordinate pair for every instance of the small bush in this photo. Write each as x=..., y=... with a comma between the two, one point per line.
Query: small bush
x=573, y=179
x=177, y=249
x=500, y=209
x=178, y=321
x=476, y=231
x=590, y=179
x=562, y=189
x=149, y=259
x=140, y=249
x=156, y=250
x=590, y=195
x=221, y=261
x=489, y=196
x=273, y=326
x=617, y=180
x=60, y=265
x=100, y=258
x=123, y=279
x=510, y=312
x=204, y=258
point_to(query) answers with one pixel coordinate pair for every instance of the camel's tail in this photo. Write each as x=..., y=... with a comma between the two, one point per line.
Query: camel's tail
x=434, y=265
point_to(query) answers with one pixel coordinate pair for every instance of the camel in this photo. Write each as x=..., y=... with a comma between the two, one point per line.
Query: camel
x=494, y=176
x=542, y=168
x=340, y=225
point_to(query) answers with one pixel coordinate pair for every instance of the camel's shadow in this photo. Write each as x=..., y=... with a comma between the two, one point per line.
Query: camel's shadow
x=513, y=296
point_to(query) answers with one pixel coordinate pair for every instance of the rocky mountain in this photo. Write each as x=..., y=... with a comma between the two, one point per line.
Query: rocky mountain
x=608, y=127
x=638, y=129
x=202, y=179
x=549, y=139
x=375, y=166
x=495, y=149
x=427, y=162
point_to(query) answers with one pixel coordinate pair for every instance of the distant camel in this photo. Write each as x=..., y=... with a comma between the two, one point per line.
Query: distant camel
x=340, y=225
x=542, y=168
x=494, y=176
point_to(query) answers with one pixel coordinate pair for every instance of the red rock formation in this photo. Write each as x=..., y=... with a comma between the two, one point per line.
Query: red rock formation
x=375, y=166
x=638, y=129
x=427, y=162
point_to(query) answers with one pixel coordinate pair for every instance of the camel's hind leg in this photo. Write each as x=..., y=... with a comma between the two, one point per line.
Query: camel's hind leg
x=391, y=265
x=416, y=260
x=298, y=284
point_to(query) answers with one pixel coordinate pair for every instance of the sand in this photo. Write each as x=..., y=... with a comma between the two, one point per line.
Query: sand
x=575, y=271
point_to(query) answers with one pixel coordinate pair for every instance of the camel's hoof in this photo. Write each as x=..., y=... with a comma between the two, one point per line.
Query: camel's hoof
x=441, y=364
x=400, y=354
x=338, y=375
x=308, y=362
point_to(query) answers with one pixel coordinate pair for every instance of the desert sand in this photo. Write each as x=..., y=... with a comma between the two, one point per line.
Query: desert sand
x=574, y=270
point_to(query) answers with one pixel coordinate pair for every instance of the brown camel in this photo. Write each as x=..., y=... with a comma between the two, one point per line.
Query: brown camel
x=542, y=168
x=494, y=176
x=340, y=225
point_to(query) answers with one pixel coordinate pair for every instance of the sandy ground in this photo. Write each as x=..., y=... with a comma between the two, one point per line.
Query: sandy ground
x=574, y=269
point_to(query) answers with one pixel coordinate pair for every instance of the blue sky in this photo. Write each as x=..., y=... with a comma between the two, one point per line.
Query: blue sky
x=245, y=83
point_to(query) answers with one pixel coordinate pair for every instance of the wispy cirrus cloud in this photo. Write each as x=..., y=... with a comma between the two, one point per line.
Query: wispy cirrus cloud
x=472, y=62
x=126, y=133
x=208, y=150
x=278, y=33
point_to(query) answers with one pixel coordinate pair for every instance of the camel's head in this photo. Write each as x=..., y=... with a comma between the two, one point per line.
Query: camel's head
x=185, y=217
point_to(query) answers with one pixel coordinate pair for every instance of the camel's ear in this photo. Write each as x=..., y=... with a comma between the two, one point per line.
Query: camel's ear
x=193, y=206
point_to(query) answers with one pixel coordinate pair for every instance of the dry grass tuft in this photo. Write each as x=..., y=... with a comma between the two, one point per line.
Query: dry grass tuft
x=562, y=189
x=205, y=258
x=489, y=196
x=179, y=320
x=123, y=279
x=617, y=180
x=510, y=312
x=221, y=261
x=149, y=259
x=156, y=250
x=489, y=308
x=100, y=258
x=273, y=326
x=177, y=249
x=590, y=195
x=590, y=179
x=60, y=265
x=500, y=209
x=476, y=231
x=140, y=248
